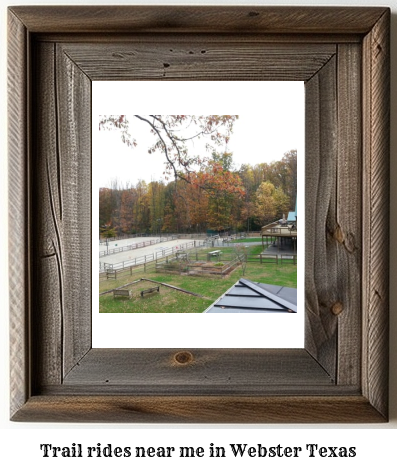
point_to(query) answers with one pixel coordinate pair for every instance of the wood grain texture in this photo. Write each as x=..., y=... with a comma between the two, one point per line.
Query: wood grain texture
x=376, y=92
x=209, y=37
x=73, y=111
x=339, y=378
x=205, y=60
x=47, y=317
x=346, y=228
x=63, y=214
x=227, y=369
x=199, y=19
x=199, y=409
x=321, y=277
x=19, y=226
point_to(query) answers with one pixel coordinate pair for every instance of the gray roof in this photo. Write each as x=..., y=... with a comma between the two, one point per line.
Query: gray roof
x=247, y=296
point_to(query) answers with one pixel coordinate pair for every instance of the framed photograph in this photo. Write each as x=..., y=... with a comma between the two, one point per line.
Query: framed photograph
x=342, y=56
x=180, y=238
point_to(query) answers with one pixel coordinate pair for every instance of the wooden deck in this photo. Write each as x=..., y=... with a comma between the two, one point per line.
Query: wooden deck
x=280, y=232
x=277, y=230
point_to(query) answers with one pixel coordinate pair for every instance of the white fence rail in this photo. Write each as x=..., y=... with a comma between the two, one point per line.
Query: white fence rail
x=138, y=245
x=103, y=266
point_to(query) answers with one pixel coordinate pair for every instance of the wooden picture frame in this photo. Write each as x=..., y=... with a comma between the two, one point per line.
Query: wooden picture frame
x=343, y=56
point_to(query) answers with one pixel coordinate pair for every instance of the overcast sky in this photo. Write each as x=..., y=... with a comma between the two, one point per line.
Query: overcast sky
x=271, y=122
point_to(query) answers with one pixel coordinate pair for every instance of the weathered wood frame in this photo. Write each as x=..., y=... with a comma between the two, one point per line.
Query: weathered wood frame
x=343, y=56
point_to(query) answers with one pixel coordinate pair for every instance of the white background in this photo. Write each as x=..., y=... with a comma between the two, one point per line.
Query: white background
x=20, y=442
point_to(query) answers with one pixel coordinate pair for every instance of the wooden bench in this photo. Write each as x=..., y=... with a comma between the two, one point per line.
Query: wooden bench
x=150, y=290
x=124, y=293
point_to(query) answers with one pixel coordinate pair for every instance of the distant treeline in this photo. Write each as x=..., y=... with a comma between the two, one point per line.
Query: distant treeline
x=218, y=197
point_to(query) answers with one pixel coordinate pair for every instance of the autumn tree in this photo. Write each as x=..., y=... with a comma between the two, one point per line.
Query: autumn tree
x=247, y=214
x=109, y=206
x=169, y=218
x=141, y=207
x=206, y=191
x=270, y=203
x=128, y=197
x=246, y=206
x=225, y=159
x=282, y=203
x=197, y=199
x=290, y=160
x=283, y=174
x=265, y=207
x=172, y=134
x=156, y=199
x=182, y=205
x=223, y=189
x=106, y=206
x=108, y=233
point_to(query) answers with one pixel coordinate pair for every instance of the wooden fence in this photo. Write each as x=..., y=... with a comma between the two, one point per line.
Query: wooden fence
x=169, y=260
x=115, y=274
x=196, y=265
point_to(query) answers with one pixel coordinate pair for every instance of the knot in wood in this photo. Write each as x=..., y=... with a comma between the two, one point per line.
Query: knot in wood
x=337, y=308
x=338, y=235
x=350, y=243
x=183, y=358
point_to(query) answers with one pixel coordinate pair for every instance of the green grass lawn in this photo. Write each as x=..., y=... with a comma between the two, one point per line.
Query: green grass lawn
x=170, y=300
